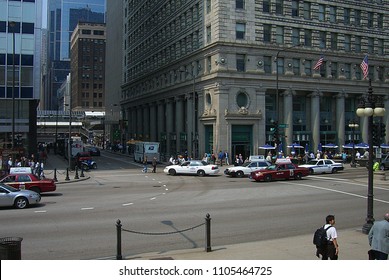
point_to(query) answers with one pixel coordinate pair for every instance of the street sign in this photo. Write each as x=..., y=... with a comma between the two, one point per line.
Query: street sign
x=283, y=125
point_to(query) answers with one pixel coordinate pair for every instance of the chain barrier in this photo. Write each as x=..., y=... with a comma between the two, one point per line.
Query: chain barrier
x=163, y=233
x=119, y=231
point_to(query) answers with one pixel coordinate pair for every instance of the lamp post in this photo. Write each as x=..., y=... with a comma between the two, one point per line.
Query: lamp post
x=369, y=107
x=70, y=133
x=353, y=125
x=12, y=25
x=193, y=132
x=277, y=88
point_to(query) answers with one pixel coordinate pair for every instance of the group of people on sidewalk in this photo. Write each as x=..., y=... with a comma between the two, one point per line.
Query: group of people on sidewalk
x=378, y=239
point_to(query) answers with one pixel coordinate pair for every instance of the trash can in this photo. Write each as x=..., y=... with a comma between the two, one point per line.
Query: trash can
x=11, y=248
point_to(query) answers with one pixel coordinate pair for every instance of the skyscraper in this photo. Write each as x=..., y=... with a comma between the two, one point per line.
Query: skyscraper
x=63, y=17
x=20, y=68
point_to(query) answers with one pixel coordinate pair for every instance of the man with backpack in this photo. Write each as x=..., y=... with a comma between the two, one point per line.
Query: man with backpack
x=325, y=239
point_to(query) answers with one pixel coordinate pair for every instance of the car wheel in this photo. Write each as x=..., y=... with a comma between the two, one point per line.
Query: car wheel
x=94, y=166
x=239, y=174
x=298, y=176
x=201, y=173
x=268, y=178
x=311, y=171
x=382, y=167
x=21, y=202
x=334, y=170
x=172, y=172
x=35, y=189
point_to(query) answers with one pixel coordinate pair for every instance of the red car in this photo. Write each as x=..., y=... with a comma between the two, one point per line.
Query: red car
x=279, y=171
x=29, y=182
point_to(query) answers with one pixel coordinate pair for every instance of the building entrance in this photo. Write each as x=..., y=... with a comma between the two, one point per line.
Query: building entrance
x=241, y=141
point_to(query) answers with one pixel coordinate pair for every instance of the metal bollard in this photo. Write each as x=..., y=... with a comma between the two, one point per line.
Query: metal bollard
x=55, y=175
x=208, y=233
x=82, y=171
x=76, y=176
x=67, y=174
x=119, y=240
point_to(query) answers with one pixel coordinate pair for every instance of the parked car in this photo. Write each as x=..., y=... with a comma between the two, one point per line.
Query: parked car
x=20, y=199
x=246, y=168
x=29, y=182
x=319, y=166
x=93, y=151
x=279, y=171
x=193, y=167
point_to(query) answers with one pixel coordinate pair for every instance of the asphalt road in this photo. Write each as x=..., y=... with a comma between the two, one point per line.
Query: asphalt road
x=78, y=221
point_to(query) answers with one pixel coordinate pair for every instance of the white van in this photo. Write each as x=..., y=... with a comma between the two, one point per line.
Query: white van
x=256, y=157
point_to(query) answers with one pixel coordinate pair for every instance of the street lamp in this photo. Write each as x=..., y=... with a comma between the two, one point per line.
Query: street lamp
x=353, y=125
x=12, y=25
x=193, y=132
x=277, y=89
x=70, y=132
x=370, y=106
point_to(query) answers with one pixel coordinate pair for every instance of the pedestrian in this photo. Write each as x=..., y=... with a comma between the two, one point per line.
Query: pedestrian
x=144, y=164
x=226, y=156
x=379, y=239
x=331, y=251
x=221, y=156
x=154, y=164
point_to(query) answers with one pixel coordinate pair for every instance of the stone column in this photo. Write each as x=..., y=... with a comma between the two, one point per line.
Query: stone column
x=153, y=122
x=340, y=118
x=161, y=119
x=288, y=116
x=169, y=124
x=179, y=121
x=146, y=123
x=139, y=122
x=190, y=121
x=315, y=118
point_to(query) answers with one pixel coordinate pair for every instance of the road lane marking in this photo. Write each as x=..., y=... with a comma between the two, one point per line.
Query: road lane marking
x=87, y=208
x=337, y=191
x=347, y=181
x=153, y=198
x=41, y=211
x=127, y=204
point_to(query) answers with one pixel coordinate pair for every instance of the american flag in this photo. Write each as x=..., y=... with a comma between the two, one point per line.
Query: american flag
x=365, y=67
x=319, y=63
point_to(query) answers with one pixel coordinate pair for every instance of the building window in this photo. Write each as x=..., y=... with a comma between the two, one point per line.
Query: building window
x=242, y=99
x=267, y=61
x=295, y=36
x=308, y=67
x=240, y=4
x=333, y=14
x=322, y=39
x=357, y=17
x=279, y=7
x=334, y=69
x=267, y=33
x=346, y=16
x=209, y=35
x=380, y=21
x=240, y=31
x=334, y=41
x=295, y=8
x=347, y=71
x=296, y=66
x=370, y=45
x=307, y=10
x=370, y=17
x=357, y=44
x=208, y=7
x=27, y=28
x=308, y=38
x=347, y=42
x=209, y=64
x=380, y=46
x=322, y=12
x=280, y=35
x=240, y=62
x=266, y=6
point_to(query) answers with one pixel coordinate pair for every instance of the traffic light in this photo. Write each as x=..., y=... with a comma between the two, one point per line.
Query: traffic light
x=375, y=133
x=276, y=133
x=382, y=132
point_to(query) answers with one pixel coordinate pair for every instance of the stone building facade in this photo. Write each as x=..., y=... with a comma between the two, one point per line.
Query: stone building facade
x=208, y=75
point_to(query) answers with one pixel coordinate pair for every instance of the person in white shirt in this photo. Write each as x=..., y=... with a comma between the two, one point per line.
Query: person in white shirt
x=332, y=250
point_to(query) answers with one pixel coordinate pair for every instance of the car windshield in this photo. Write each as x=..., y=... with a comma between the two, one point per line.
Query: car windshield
x=312, y=162
x=9, y=188
x=246, y=164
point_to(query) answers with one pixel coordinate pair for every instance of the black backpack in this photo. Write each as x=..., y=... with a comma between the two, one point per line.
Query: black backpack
x=320, y=237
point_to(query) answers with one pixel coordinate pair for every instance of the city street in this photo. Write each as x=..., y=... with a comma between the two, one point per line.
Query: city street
x=78, y=220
